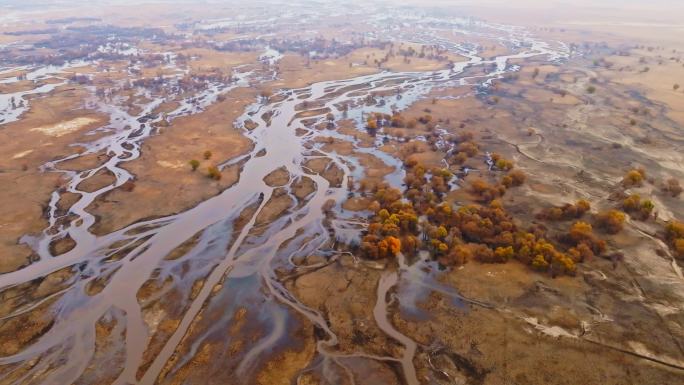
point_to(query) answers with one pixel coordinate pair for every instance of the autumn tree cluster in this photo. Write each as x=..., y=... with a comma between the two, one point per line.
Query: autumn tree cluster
x=420, y=219
x=584, y=244
x=392, y=227
x=501, y=163
x=485, y=192
x=566, y=212
x=374, y=122
x=611, y=221
x=213, y=172
x=465, y=148
x=377, y=120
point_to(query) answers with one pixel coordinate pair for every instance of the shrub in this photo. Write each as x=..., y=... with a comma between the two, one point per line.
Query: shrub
x=646, y=208
x=504, y=254
x=634, y=204
x=634, y=177
x=586, y=244
x=207, y=155
x=539, y=263
x=469, y=148
x=398, y=120
x=465, y=136
x=674, y=230
x=672, y=187
x=503, y=164
x=194, y=164
x=631, y=203
x=266, y=94
x=425, y=119
x=611, y=221
x=582, y=206
x=484, y=191
x=214, y=173
x=679, y=247
x=518, y=177
x=483, y=253
x=129, y=186
x=460, y=157
x=507, y=181
x=459, y=255
x=581, y=231
x=564, y=263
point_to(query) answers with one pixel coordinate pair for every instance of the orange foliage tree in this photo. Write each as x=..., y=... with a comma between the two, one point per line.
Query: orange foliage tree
x=566, y=212
x=642, y=209
x=483, y=232
x=611, y=221
x=674, y=233
x=634, y=177
x=672, y=187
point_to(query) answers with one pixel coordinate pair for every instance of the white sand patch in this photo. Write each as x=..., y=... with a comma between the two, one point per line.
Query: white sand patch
x=21, y=154
x=173, y=165
x=640, y=348
x=553, y=331
x=64, y=128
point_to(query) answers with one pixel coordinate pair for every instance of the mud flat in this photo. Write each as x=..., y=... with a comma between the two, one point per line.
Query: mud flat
x=165, y=163
x=46, y=132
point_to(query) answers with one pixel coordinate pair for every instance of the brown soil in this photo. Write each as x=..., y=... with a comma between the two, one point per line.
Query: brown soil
x=278, y=177
x=163, y=165
x=275, y=207
x=31, y=189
